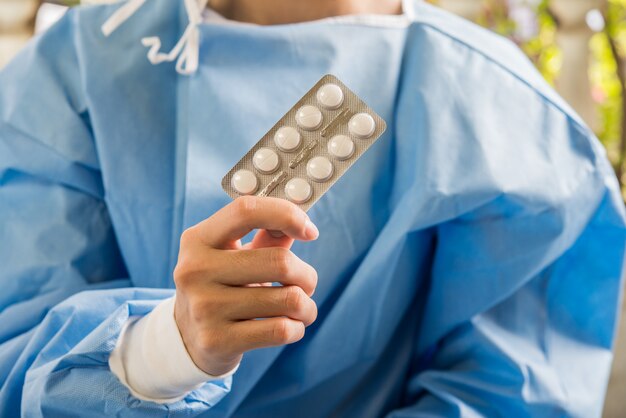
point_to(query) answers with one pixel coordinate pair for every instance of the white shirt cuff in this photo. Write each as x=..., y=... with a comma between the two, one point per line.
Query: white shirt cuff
x=151, y=360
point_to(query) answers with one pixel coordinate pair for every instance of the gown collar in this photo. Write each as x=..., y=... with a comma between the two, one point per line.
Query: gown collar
x=210, y=16
x=187, y=49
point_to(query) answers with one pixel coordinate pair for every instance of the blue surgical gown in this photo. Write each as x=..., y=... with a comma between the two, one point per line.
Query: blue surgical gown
x=469, y=264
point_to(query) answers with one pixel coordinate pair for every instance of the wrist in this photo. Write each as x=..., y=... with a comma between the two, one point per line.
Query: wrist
x=152, y=361
x=199, y=354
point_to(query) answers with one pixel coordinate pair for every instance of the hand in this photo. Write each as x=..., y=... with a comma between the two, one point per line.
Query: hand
x=222, y=287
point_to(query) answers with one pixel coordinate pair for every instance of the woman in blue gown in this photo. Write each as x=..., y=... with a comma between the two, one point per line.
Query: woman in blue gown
x=469, y=264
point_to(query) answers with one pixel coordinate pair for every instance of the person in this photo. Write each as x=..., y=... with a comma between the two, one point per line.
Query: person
x=469, y=264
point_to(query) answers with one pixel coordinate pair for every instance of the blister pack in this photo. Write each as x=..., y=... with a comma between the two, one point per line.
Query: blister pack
x=310, y=148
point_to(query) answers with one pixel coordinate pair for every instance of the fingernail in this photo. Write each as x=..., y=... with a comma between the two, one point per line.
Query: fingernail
x=276, y=234
x=310, y=230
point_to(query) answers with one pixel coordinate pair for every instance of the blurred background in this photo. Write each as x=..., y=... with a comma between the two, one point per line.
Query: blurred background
x=578, y=45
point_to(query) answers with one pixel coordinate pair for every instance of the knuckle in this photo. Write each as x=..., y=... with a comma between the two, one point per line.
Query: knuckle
x=295, y=216
x=245, y=206
x=281, y=332
x=181, y=275
x=293, y=299
x=193, y=265
x=297, y=332
x=314, y=314
x=185, y=271
x=281, y=260
x=185, y=267
x=313, y=277
x=188, y=236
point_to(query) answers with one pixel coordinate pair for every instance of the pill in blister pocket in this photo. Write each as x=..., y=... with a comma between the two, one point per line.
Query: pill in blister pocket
x=309, y=148
x=265, y=160
x=341, y=147
x=319, y=169
x=287, y=139
x=245, y=182
x=362, y=125
x=330, y=96
x=309, y=118
x=298, y=190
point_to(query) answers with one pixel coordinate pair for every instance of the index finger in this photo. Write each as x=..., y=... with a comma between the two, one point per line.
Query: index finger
x=246, y=213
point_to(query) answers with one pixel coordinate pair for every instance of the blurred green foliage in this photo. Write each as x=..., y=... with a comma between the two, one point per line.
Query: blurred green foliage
x=606, y=45
x=542, y=48
x=607, y=48
x=607, y=89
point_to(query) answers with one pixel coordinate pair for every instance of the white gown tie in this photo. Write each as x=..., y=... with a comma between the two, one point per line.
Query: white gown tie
x=186, y=50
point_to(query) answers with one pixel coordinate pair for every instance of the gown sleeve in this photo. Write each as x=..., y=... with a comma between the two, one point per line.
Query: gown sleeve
x=65, y=294
x=525, y=288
